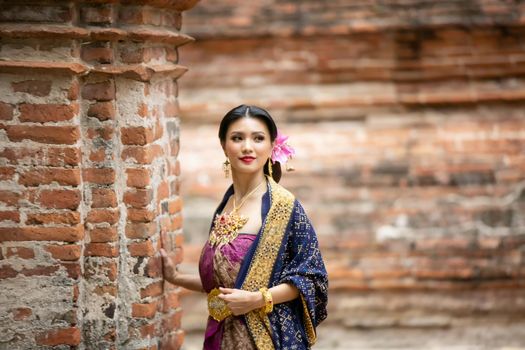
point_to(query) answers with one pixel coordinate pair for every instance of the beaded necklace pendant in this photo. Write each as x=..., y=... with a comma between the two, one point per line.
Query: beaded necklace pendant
x=226, y=228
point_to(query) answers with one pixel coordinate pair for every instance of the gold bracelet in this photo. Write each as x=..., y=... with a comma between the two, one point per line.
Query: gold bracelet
x=268, y=300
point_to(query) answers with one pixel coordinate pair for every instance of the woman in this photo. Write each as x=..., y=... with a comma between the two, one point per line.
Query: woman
x=261, y=266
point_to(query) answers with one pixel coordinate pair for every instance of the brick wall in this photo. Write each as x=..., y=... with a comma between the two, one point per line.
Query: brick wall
x=408, y=121
x=89, y=173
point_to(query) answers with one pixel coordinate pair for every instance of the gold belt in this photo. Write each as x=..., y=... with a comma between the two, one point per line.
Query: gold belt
x=216, y=306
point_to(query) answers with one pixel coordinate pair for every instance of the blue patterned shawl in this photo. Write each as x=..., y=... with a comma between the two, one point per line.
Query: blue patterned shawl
x=286, y=250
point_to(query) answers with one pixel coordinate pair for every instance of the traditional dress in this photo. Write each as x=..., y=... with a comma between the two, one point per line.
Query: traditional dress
x=284, y=251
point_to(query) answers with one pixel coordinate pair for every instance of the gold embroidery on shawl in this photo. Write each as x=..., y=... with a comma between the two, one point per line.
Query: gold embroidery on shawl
x=310, y=329
x=264, y=258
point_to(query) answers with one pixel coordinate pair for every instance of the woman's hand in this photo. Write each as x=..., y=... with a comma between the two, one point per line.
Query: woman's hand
x=169, y=269
x=241, y=301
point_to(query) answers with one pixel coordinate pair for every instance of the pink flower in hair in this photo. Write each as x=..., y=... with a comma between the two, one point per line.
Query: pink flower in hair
x=281, y=150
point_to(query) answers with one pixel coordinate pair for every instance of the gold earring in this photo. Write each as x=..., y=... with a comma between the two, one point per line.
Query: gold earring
x=226, y=168
x=270, y=170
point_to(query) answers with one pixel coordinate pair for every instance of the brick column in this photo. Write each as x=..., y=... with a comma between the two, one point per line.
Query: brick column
x=89, y=175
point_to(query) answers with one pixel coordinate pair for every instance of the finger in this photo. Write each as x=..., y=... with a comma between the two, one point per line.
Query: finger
x=224, y=297
x=163, y=239
x=226, y=290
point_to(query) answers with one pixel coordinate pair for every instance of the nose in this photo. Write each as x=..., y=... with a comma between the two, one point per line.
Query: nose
x=247, y=146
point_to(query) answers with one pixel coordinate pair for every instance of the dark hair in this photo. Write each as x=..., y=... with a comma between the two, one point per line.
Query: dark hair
x=244, y=111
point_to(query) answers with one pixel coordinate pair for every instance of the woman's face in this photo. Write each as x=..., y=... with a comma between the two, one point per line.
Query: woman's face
x=247, y=145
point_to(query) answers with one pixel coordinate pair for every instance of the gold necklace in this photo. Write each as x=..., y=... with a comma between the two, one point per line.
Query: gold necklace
x=226, y=226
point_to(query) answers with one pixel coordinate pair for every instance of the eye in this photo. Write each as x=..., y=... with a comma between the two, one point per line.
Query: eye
x=236, y=138
x=259, y=138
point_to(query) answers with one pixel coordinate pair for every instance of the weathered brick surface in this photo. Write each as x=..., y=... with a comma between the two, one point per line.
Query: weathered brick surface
x=407, y=118
x=84, y=167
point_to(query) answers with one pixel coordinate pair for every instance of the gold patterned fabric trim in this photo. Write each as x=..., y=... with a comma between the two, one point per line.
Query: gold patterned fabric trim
x=261, y=267
x=310, y=329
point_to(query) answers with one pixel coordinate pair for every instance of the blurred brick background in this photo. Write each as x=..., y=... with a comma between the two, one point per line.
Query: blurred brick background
x=408, y=120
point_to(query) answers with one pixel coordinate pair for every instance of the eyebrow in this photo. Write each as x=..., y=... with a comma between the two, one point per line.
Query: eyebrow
x=242, y=132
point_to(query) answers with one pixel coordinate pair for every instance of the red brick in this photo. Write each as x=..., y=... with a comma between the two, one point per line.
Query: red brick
x=154, y=267
x=101, y=249
x=174, y=168
x=7, y=271
x=171, y=322
x=138, y=177
x=103, y=234
x=142, y=155
x=175, y=205
x=159, y=130
x=171, y=109
x=176, y=223
x=44, y=134
x=72, y=93
x=6, y=111
x=64, y=336
x=152, y=290
x=179, y=240
x=63, y=156
x=141, y=215
x=63, y=217
x=106, y=289
x=68, y=252
x=132, y=54
x=42, y=113
x=170, y=301
x=175, y=187
x=44, y=176
x=38, y=233
x=60, y=199
x=7, y=173
x=39, y=88
x=145, y=248
x=100, y=176
x=163, y=191
x=98, y=156
x=136, y=135
x=40, y=271
x=141, y=230
x=172, y=341
x=76, y=293
x=73, y=269
x=102, y=111
x=96, y=216
x=148, y=330
x=97, y=54
x=10, y=215
x=103, y=198
x=142, y=110
x=21, y=252
x=98, y=15
x=172, y=53
x=138, y=198
x=103, y=91
x=21, y=313
x=144, y=310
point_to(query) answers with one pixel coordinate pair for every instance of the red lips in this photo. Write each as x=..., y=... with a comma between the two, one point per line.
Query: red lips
x=247, y=159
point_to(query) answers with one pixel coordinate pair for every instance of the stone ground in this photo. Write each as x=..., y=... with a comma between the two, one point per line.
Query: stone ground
x=508, y=337
x=480, y=335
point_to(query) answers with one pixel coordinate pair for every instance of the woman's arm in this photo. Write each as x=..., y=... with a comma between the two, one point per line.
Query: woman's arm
x=241, y=302
x=171, y=275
